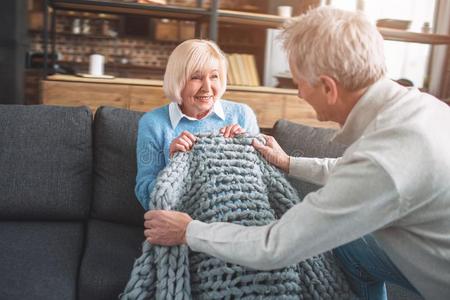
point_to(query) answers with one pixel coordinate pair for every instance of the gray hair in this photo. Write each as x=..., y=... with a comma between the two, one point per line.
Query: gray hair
x=341, y=44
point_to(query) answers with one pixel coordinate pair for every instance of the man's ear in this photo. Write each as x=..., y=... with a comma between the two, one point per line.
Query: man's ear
x=329, y=88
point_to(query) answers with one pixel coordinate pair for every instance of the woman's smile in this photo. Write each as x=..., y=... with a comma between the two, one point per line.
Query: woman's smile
x=205, y=99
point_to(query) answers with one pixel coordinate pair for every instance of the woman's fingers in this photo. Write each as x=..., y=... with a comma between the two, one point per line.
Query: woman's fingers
x=235, y=130
x=189, y=136
x=183, y=143
x=231, y=130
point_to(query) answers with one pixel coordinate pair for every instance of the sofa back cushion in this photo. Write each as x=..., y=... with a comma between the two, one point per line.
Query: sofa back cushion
x=46, y=162
x=115, y=166
x=45, y=193
x=303, y=140
x=115, y=231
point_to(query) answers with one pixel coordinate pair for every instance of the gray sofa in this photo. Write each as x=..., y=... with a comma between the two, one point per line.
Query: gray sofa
x=70, y=225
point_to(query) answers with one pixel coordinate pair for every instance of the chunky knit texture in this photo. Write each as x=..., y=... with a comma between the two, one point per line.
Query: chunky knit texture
x=226, y=180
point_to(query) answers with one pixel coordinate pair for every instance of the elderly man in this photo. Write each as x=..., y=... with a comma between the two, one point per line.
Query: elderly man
x=384, y=206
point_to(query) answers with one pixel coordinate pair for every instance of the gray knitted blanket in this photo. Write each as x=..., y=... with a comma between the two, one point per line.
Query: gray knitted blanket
x=226, y=180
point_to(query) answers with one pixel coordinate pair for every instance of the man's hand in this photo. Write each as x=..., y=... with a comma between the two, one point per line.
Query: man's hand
x=166, y=228
x=231, y=130
x=182, y=143
x=273, y=153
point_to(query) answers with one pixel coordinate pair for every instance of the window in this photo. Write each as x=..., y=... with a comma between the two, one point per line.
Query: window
x=404, y=60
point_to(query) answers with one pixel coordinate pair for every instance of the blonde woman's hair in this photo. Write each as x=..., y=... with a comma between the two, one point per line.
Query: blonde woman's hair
x=187, y=58
x=341, y=44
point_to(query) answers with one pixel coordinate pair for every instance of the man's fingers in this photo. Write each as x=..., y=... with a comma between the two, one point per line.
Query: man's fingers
x=260, y=147
x=269, y=140
x=147, y=224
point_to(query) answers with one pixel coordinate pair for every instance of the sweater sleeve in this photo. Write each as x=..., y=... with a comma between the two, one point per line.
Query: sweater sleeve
x=248, y=120
x=150, y=160
x=312, y=170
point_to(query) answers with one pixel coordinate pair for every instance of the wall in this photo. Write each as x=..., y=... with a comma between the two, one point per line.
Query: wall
x=446, y=81
x=13, y=44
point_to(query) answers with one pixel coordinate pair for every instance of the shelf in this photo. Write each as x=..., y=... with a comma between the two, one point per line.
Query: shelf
x=86, y=15
x=273, y=21
x=80, y=35
x=254, y=19
x=414, y=37
x=165, y=11
x=111, y=65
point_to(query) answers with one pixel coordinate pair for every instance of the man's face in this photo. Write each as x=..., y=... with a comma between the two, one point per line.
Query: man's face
x=314, y=95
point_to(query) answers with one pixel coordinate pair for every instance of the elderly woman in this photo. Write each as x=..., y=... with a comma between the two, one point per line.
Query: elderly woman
x=195, y=81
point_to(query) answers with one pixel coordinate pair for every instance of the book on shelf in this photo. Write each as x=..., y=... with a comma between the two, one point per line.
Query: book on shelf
x=242, y=70
x=254, y=78
x=234, y=69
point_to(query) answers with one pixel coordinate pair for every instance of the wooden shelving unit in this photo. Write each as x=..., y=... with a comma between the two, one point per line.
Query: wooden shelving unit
x=214, y=16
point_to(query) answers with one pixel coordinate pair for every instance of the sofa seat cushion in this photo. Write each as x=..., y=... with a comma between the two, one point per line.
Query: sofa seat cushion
x=109, y=256
x=39, y=260
x=46, y=162
x=115, y=166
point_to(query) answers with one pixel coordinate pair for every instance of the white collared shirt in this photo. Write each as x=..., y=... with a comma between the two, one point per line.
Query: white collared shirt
x=175, y=113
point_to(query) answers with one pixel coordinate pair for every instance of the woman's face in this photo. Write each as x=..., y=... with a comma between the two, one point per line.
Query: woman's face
x=200, y=92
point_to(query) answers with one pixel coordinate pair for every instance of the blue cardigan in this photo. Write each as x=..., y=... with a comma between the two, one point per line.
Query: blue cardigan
x=155, y=134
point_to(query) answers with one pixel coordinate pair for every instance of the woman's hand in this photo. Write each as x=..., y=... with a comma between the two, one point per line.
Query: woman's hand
x=231, y=130
x=273, y=152
x=183, y=143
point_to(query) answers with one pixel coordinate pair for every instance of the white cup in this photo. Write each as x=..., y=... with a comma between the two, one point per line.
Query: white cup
x=285, y=11
x=96, y=63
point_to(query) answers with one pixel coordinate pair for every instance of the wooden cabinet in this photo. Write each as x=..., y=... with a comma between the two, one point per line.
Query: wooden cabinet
x=269, y=104
x=82, y=94
x=145, y=98
x=268, y=107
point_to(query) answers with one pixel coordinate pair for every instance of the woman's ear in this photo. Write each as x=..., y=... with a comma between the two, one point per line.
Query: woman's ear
x=330, y=89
